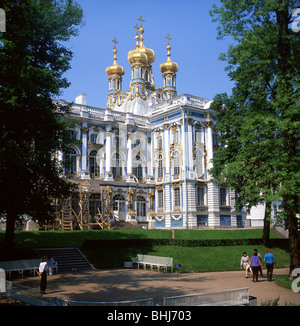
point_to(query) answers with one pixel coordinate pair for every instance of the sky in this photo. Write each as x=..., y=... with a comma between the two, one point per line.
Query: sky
x=194, y=46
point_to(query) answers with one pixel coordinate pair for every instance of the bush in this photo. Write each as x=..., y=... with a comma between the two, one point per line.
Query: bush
x=128, y=243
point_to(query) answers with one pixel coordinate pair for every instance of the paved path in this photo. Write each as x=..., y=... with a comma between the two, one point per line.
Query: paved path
x=130, y=284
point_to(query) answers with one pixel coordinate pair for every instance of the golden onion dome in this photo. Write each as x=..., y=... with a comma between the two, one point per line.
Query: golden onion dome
x=136, y=55
x=115, y=69
x=169, y=66
x=149, y=52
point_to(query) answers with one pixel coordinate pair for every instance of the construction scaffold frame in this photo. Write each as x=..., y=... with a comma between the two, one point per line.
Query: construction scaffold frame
x=89, y=207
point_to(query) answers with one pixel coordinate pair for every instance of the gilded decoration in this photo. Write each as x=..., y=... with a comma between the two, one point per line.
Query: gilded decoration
x=176, y=185
x=208, y=124
x=177, y=218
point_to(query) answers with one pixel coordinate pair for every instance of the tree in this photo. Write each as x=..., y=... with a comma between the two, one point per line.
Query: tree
x=259, y=123
x=32, y=63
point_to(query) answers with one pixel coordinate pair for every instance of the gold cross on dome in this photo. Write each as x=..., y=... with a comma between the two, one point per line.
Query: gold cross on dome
x=115, y=42
x=141, y=20
x=168, y=38
x=136, y=27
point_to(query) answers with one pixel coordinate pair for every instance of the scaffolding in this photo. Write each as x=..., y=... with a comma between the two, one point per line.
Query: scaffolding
x=88, y=208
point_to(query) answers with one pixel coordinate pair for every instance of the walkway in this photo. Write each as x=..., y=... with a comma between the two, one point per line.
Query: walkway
x=130, y=284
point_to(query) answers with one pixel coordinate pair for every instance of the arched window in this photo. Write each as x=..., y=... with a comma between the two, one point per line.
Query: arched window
x=93, y=165
x=160, y=166
x=138, y=167
x=140, y=206
x=70, y=161
x=118, y=203
x=116, y=166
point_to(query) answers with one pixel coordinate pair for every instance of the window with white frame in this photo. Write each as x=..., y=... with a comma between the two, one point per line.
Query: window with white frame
x=118, y=203
x=116, y=166
x=93, y=165
x=160, y=166
x=140, y=206
x=199, y=162
x=223, y=197
x=93, y=138
x=160, y=199
x=138, y=167
x=70, y=161
x=175, y=163
x=176, y=197
x=72, y=134
x=175, y=135
x=159, y=142
x=200, y=196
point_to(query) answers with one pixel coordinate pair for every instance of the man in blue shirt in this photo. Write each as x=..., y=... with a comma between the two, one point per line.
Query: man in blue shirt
x=270, y=261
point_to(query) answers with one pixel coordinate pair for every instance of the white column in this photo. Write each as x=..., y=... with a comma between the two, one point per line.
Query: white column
x=184, y=174
x=84, y=173
x=209, y=146
x=167, y=152
x=129, y=158
x=189, y=146
x=108, y=145
x=212, y=188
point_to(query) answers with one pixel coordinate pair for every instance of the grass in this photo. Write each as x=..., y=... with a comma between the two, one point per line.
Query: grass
x=56, y=239
x=192, y=259
x=284, y=280
x=221, y=234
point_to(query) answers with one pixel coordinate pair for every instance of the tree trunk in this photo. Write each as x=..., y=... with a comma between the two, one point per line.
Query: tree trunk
x=8, y=244
x=294, y=237
x=267, y=223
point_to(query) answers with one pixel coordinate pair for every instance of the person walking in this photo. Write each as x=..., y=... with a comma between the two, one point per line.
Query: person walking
x=270, y=262
x=43, y=269
x=260, y=257
x=255, y=264
x=245, y=263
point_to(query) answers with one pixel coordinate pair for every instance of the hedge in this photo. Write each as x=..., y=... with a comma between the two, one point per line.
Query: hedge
x=131, y=243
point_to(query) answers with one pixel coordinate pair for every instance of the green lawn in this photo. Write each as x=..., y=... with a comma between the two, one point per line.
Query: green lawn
x=221, y=234
x=192, y=259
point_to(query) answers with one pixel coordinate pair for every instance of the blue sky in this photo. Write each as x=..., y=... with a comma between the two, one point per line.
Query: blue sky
x=193, y=40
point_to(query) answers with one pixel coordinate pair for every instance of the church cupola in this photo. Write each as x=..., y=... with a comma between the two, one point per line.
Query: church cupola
x=115, y=73
x=169, y=69
x=140, y=59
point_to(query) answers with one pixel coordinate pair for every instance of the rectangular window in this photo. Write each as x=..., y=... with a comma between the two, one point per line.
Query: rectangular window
x=160, y=199
x=177, y=197
x=141, y=209
x=223, y=195
x=93, y=138
x=175, y=137
x=160, y=167
x=200, y=196
x=159, y=142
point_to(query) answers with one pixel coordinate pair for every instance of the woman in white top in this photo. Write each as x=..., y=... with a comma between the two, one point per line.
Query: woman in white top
x=43, y=268
x=245, y=262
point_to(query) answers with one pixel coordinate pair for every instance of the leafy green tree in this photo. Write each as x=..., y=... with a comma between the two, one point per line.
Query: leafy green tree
x=258, y=124
x=33, y=60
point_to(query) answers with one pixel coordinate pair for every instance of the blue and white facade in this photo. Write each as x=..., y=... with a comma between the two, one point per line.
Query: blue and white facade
x=152, y=148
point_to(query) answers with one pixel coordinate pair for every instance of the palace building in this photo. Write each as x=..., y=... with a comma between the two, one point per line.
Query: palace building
x=147, y=154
